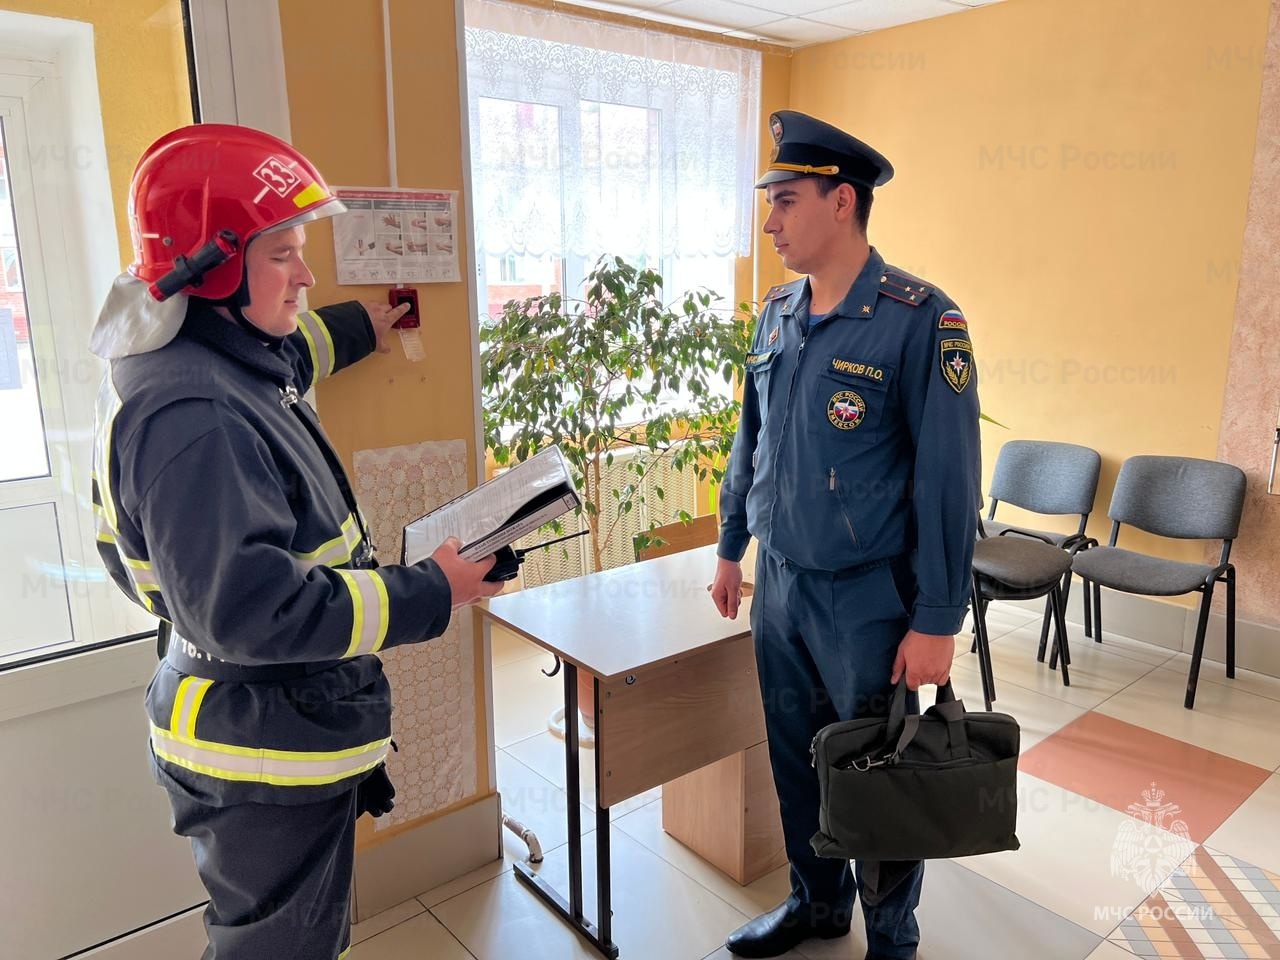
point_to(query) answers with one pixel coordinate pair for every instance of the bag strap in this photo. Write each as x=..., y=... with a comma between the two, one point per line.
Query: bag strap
x=946, y=707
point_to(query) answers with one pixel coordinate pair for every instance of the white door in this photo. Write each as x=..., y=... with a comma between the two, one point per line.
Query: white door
x=54, y=593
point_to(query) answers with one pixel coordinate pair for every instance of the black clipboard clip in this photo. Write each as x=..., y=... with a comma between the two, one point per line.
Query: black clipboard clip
x=509, y=558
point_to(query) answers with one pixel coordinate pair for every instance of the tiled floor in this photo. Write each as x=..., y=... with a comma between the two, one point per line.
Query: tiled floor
x=1146, y=830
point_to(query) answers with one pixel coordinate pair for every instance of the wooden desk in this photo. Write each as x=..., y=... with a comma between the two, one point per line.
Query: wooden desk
x=675, y=690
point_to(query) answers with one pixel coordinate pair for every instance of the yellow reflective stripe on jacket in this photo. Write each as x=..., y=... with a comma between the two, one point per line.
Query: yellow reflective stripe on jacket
x=370, y=609
x=319, y=344
x=344, y=954
x=280, y=768
x=335, y=552
x=186, y=705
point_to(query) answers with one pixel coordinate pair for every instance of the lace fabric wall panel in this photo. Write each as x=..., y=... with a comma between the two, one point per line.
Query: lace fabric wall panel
x=433, y=684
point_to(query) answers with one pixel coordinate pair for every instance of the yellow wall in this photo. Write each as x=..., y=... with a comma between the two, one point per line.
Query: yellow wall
x=143, y=97
x=334, y=69
x=1075, y=174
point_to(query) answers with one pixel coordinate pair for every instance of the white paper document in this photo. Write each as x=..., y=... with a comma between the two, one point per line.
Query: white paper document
x=498, y=512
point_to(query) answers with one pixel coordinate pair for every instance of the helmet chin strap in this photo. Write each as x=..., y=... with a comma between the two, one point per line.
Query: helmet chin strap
x=235, y=305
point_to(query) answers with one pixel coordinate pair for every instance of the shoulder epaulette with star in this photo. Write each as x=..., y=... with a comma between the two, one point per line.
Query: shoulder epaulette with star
x=904, y=287
x=782, y=290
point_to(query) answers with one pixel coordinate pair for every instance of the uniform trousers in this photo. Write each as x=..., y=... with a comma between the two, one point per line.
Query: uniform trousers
x=825, y=645
x=278, y=877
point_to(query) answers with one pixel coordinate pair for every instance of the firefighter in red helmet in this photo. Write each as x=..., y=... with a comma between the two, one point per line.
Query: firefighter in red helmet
x=222, y=509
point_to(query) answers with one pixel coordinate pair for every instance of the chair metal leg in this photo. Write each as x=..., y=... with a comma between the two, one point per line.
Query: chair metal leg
x=1088, y=606
x=982, y=644
x=973, y=647
x=1097, y=612
x=1198, y=650
x=1060, y=633
x=1044, y=630
x=1231, y=623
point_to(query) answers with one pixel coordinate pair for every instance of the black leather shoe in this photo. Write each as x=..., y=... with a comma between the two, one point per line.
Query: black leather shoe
x=774, y=933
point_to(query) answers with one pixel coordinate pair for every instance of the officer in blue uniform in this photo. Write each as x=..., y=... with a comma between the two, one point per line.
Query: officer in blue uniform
x=856, y=468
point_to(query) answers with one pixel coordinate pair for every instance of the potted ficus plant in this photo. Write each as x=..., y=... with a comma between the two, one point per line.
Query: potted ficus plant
x=619, y=368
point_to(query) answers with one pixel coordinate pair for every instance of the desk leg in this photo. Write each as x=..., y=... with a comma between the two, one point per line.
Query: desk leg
x=599, y=937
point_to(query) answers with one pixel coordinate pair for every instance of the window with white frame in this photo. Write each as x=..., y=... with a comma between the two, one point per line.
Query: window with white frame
x=592, y=139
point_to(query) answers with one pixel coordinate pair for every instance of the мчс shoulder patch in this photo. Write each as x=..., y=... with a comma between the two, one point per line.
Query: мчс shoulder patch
x=957, y=363
x=953, y=320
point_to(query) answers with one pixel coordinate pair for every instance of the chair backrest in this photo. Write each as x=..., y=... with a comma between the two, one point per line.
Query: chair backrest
x=1179, y=497
x=1046, y=477
x=699, y=532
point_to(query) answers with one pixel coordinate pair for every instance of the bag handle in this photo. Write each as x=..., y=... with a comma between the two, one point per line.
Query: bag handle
x=946, y=707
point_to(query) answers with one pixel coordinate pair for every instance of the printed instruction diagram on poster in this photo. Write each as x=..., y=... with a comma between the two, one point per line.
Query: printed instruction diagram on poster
x=396, y=236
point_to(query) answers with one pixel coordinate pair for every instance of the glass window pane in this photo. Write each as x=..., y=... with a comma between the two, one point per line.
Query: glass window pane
x=23, y=452
x=33, y=581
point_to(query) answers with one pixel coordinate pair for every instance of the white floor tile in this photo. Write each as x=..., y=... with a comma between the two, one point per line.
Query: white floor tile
x=1259, y=684
x=1226, y=720
x=1096, y=674
x=509, y=647
x=1250, y=833
x=645, y=826
x=1139, y=650
x=657, y=911
x=1109, y=951
x=1038, y=715
x=523, y=699
x=385, y=920
x=544, y=754
x=512, y=850
x=422, y=936
x=1069, y=846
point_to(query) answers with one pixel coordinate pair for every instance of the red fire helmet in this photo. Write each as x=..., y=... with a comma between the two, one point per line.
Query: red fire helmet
x=199, y=196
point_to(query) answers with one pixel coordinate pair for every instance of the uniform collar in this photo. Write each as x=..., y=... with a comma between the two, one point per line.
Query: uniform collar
x=859, y=303
x=207, y=326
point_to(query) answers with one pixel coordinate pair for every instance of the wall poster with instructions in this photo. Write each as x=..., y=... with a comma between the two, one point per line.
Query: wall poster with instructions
x=396, y=236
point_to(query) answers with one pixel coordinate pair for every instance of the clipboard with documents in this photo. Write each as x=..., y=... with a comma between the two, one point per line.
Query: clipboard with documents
x=498, y=512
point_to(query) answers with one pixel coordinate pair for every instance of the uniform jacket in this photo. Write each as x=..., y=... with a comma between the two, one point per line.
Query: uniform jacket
x=218, y=510
x=858, y=440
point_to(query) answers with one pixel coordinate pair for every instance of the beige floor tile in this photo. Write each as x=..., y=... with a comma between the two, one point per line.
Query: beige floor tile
x=1096, y=674
x=422, y=936
x=385, y=920
x=1250, y=833
x=645, y=826
x=1259, y=684
x=1226, y=720
x=523, y=699
x=658, y=912
x=1109, y=951
x=509, y=647
x=1065, y=863
x=544, y=754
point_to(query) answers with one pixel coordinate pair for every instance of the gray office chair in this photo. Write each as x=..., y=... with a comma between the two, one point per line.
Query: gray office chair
x=1181, y=498
x=1018, y=568
x=1050, y=478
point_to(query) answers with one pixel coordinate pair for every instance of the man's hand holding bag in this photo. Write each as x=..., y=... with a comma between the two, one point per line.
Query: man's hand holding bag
x=917, y=787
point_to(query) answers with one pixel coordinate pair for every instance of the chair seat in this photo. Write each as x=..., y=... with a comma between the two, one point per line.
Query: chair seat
x=1138, y=573
x=994, y=528
x=1019, y=562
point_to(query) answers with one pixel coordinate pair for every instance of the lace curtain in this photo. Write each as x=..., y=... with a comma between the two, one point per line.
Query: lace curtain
x=589, y=138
